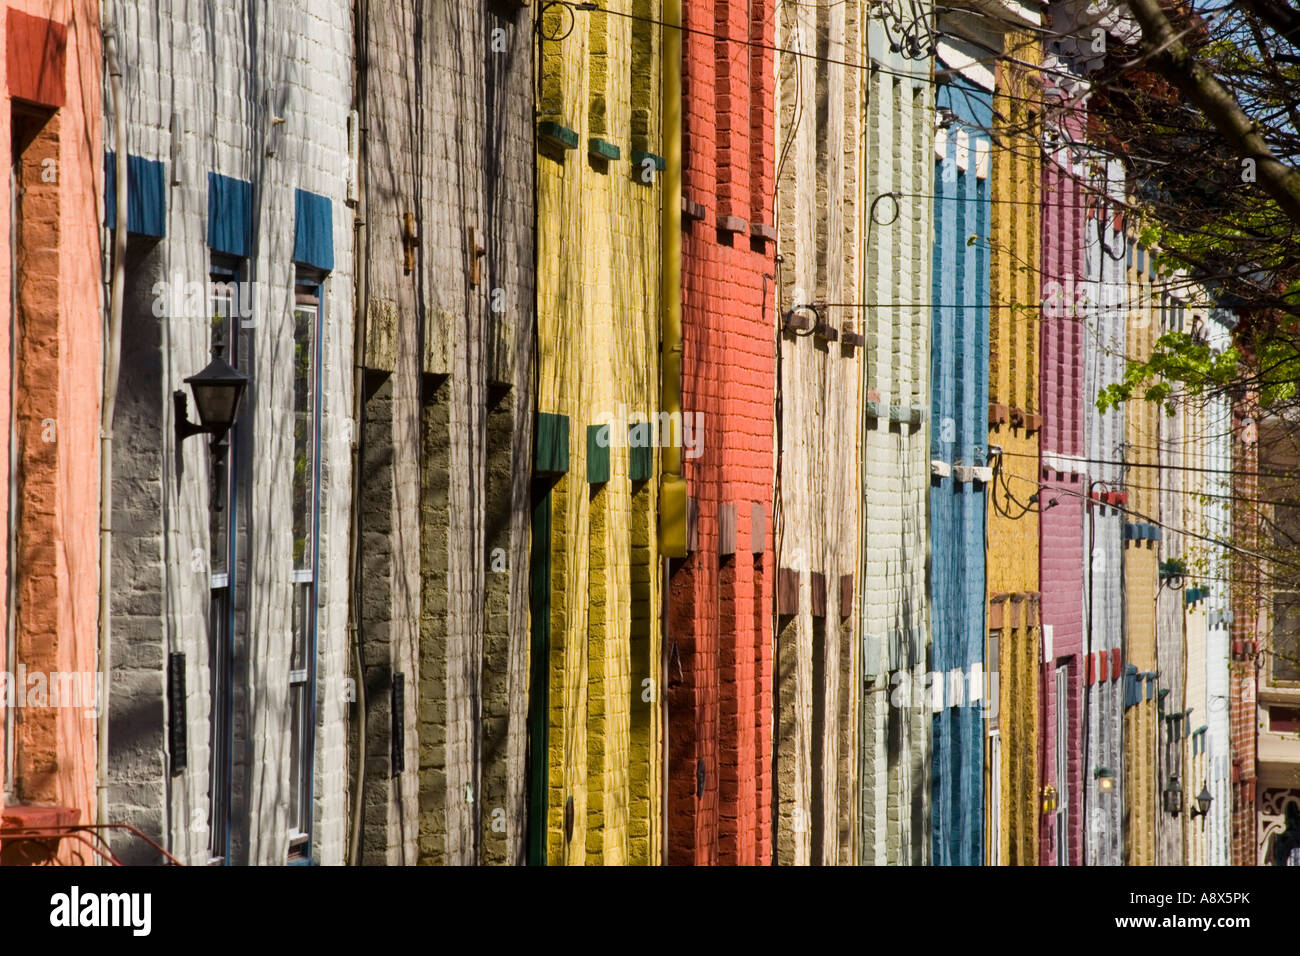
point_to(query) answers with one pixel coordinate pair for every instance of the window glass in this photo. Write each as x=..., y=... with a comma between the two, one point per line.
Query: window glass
x=304, y=434
x=1286, y=636
x=224, y=309
x=304, y=495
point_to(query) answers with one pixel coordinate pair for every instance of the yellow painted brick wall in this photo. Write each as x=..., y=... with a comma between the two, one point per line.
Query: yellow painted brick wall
x=1141, y=581
x=1013, y=383
x=598, y=331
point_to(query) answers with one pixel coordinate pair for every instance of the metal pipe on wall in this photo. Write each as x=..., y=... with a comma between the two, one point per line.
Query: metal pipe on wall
x=113, y=355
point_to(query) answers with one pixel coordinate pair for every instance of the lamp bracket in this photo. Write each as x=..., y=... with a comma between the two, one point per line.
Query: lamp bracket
x=184, y=427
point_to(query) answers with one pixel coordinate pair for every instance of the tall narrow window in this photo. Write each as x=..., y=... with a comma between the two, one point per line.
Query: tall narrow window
x=820, y=725
x=992, y=654
x=305, y=507
x=225, y=309
x=995, y=798
x=1062, y=766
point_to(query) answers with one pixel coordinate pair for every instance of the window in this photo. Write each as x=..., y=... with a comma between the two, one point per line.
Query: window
x=1285, y=656
x=995, y=798
x=1284, y=659
x=305, y=502
x=225, y=307
x=1062, y=766
x=992, y=656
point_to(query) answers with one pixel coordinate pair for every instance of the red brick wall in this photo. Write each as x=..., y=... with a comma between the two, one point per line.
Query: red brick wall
x=720, y=630
x=1244, y=639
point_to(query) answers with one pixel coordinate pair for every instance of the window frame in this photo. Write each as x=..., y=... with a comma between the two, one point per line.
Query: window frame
x=1062, y=753
x=307, y=284
x=221, y=644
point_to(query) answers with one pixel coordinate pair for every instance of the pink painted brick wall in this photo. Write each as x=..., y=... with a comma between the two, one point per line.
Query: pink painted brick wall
x=1061, y=525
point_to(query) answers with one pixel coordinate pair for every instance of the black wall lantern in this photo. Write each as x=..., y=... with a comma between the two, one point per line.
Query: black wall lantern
x=1173, y=796
x=218, y=391
x=1202, y=808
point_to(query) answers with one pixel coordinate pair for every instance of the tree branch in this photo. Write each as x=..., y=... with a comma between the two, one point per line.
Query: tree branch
x=1281, y=17
x=1174, y=62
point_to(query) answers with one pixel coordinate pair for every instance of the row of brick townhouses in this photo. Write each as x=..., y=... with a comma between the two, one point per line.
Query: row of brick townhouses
x=668, y=434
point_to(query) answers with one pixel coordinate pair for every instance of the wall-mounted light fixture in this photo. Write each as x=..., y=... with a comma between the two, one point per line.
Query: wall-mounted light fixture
x=1049, y=799
x=1202, y=808
x=1105, y=779
x=1173, y=795
x=218, y=391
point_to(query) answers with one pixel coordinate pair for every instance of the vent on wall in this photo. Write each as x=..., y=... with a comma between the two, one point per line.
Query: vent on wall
x=176, y=727
x=787, y=592
x=726, y=530
x=398, y=711
x=817, y=594
x=757, y=527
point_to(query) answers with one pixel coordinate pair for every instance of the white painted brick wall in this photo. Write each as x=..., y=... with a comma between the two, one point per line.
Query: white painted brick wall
x=214, y=66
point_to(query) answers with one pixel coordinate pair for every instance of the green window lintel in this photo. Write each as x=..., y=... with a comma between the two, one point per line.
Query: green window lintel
x=558, y=134
x=597, y=454
x=552, y=443
x=603, y=148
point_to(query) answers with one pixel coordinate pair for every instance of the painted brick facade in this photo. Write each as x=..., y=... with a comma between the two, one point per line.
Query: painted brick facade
x=49, y=272
x=1142, y=554
x=720, y=599
x=820, y=358
x=598, y=334
x=1245, y=635
x=959, y=348
x=892, y=600
x=255, y=100
x=439, y=604
x=448, y=298
x=1206, y=728
x=1106, y=316
x=1015, y=422
x=1064, y=483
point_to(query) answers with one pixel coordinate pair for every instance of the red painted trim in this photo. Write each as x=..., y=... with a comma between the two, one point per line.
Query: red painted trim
x=35, y=58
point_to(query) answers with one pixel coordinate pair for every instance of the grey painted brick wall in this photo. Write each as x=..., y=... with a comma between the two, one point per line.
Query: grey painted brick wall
x=445, y=91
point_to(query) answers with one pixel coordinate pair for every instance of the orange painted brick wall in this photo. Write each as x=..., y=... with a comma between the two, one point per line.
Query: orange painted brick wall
x=52, y=78
x=720, y=626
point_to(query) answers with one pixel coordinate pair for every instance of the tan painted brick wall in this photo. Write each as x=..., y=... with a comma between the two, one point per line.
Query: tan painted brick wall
x=1013, y=383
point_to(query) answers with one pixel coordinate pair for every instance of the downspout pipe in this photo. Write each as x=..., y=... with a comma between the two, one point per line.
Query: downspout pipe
x=672, y=483
x=112, y=361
